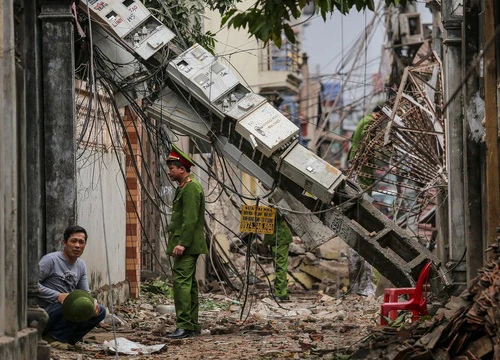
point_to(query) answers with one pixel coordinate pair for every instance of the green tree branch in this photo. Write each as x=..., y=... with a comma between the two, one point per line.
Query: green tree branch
x=268, y=20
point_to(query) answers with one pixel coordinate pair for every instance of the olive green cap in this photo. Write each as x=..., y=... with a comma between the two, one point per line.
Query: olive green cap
x=78, y=306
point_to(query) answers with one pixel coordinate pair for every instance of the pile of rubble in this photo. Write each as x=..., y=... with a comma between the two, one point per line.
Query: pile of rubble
x=468, y=327
x=310, y=325
x=322, y=269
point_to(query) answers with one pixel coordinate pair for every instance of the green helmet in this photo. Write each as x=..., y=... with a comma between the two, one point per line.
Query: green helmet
x=78, y=306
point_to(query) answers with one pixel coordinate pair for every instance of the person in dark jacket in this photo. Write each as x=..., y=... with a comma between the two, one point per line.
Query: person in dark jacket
x=186, y=241
x=279, y=243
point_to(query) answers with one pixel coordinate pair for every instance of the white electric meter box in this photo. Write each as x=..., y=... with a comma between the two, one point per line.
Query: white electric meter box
x=227, y=104
x=130, y=22
x=202, y=74
x=267, y=129
x=175, y=111
x=114, y=52
x=248, y=103
x=311, y=172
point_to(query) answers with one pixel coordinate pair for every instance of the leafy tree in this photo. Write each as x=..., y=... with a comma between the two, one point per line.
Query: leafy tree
x=268, y=19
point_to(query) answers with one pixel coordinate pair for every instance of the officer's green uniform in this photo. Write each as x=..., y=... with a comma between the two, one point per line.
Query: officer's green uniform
x=360, y=271
x=357, y=136
x=186, y=229
x=279, y=242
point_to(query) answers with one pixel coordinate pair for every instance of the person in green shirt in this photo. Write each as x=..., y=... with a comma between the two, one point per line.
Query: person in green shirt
x=360, y=271
x=279, y=243
x=186, y=241
x=357, y=136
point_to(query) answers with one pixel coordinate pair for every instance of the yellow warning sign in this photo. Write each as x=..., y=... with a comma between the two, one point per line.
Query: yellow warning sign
x=257, y=219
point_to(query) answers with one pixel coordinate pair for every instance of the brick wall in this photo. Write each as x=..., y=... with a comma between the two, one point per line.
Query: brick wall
x=133, y=231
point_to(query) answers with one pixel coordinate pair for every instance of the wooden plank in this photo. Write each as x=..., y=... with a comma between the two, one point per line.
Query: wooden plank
x=481, y=347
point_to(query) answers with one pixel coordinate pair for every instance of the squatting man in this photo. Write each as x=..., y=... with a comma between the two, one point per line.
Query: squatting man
x=64, y=291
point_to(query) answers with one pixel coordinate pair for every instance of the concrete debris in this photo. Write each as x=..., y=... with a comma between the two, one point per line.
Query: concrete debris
x=224, y=246
x=304, y=280
x=127, y=347
x=326, y=299
x=310, y=259
x=165, y=309
x=468, y=327
x=324, y=269
x=334, y=249
x=111, y=319
x=296, y=249
x=147, y=307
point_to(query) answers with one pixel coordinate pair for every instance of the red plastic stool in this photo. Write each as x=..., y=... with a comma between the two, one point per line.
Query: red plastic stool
x=417, y=303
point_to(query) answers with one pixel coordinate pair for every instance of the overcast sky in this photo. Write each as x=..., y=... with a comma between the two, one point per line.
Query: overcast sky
x=327, y=42
x=324, y=40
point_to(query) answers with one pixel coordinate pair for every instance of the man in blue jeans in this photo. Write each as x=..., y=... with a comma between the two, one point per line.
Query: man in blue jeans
x=60, y=273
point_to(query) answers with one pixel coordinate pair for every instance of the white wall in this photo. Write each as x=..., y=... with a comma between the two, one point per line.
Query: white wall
x=236, y=47
x=243, y=53
x=101, y=211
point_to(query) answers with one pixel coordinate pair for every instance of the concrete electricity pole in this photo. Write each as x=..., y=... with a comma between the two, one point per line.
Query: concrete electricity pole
x=59, y=118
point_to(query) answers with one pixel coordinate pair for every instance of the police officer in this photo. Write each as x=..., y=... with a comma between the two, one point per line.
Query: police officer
x=186, y=241
x=279, y=243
